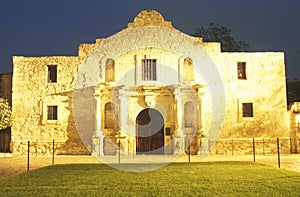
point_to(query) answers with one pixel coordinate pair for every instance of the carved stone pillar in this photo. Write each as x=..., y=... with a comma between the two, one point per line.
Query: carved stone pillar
x=180, y=71
x=123, y=120
x=201, y=113
x=178, y=139
x=179, y=114
x=97, y=137
x=201, y=125
x=201, y=116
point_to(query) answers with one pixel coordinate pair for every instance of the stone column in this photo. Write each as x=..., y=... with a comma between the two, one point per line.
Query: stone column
x=199, y=131
x=123, y=120
x=98, y=137
x=179, y=113
x=201, y=116
x=179, y=139
x=180, y=71
x=201, y=120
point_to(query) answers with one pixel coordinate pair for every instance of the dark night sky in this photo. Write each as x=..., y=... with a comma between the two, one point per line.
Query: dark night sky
x=57, y=27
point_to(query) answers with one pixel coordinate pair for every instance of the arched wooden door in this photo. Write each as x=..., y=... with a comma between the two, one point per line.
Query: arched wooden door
x=150, y=132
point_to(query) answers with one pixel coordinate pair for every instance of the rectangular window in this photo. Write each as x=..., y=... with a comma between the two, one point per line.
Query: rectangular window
x=149, y=69
x=247, y=109
x=52, y=112
x=52, y=74
x=168, y=131
x=241, y=70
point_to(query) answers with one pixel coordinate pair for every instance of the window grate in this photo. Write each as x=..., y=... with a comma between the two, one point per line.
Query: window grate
x=52, y=112
x=52, y=74
x=241, y=70
x=247, y=109
x=149, y=69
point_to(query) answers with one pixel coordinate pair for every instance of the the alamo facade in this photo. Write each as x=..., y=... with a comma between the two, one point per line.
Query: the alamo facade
x=150, y=87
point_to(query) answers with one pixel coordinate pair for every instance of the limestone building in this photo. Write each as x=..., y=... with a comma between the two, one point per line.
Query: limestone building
x=150, y=87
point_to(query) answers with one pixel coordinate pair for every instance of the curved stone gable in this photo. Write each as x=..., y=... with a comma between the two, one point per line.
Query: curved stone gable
x=149, y=18
x=140, y=38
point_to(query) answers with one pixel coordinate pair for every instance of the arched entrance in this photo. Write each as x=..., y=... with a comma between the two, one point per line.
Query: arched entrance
x=149, y=132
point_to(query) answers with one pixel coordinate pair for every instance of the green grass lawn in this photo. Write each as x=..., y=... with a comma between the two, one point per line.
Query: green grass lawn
x=177, y=179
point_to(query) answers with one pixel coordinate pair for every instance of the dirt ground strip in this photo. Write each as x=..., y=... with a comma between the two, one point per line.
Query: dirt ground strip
x=14, y=165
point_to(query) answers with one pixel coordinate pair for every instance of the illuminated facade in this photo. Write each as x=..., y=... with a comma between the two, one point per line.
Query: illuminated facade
x=149, y=87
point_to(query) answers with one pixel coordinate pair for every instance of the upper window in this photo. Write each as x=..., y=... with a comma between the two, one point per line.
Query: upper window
x=52, y=74
x=110, y=70
x=149, y=69
x=247, y=109
x=52, y=112
x=188, y=69
x=241, y=70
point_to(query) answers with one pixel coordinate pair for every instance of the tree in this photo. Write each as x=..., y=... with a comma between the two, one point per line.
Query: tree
x=217, y=33
x=5, y=114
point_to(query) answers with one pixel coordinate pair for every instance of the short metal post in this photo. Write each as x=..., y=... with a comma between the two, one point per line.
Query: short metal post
x=128, y=142
x=119, y=144
x=28, y=152
x=253, y=150
x=133, y=145
x=278, y=151
x=200, y=146
x=291, y=148
x=53, y=152
x=189, y=150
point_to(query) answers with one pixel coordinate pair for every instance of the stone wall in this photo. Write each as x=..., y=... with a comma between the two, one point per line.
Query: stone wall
x=265, y=87
x=31, y=96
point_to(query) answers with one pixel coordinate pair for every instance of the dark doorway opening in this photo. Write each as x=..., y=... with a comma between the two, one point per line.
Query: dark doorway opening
x=150, y=132
x=5, y=137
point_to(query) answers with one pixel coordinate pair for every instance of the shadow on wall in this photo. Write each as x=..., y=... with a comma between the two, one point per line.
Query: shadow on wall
x=79, y=128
